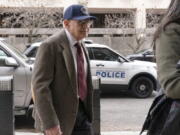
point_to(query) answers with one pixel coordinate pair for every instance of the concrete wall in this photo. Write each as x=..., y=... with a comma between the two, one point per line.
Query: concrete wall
x=97, y=6
x=90, y=3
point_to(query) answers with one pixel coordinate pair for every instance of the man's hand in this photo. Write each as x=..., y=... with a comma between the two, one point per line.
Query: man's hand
x=54, y=131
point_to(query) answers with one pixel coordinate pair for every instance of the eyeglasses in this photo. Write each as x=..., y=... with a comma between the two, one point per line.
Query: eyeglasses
x=85, y=22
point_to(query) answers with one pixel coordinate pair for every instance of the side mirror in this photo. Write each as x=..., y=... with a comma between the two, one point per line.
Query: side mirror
x=178, y=65
x=120, y=60
x=9, y=61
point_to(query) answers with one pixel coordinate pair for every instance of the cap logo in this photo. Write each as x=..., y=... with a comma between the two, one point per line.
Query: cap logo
x=84, y=10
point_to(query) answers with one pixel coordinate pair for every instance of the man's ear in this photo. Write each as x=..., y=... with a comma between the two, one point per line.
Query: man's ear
x=66, y=23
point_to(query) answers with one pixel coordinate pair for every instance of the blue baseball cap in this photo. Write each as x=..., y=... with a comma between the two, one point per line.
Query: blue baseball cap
x=77, y=12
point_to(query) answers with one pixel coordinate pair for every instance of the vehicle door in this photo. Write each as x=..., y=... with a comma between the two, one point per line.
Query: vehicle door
x=108, y=65
x=18, y=73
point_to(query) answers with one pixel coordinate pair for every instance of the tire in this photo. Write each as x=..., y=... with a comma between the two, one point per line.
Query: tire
x=142, y=87
x=29, y=117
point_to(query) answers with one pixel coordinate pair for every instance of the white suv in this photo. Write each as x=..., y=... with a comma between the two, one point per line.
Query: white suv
x=13, y=62
x=117, y=72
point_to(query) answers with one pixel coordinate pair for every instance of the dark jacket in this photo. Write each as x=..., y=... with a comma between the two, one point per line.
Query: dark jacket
x=163, y=117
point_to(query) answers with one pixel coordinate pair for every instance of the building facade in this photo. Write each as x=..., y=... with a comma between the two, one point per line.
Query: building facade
x=114, y=18
x=141, y=7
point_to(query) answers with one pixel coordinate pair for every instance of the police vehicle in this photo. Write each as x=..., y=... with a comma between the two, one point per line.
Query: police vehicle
x=116, y=72
x=31, y=49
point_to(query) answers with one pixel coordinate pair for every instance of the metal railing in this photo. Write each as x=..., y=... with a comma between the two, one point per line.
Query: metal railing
x=96, y=105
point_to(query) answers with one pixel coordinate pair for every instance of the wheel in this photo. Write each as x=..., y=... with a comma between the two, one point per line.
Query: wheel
x=29, y=117
x=142, y=87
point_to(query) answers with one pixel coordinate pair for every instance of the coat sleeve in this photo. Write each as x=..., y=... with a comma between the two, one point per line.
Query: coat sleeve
x=42, y=78
x=167, y=56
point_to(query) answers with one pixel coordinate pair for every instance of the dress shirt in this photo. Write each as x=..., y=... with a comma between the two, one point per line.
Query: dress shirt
x=72, y=42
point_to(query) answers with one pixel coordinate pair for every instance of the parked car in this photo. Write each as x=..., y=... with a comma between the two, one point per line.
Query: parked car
x=13, y=62
x=144, y=55
x=117, y=72
x=31, y=49
x=88, y=41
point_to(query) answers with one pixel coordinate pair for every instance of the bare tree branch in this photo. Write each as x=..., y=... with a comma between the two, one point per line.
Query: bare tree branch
x=31, y=19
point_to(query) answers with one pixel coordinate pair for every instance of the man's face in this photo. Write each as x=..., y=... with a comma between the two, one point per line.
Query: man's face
x=78, y=29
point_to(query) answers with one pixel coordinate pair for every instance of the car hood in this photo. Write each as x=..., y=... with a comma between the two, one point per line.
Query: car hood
x=143, y=63
x=133, y=55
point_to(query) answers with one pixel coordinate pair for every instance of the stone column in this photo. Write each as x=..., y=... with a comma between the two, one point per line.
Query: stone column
x=108, y=40
x=12, y=39
x=140, y=22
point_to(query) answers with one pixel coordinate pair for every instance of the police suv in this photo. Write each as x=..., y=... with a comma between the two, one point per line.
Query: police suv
x=116, y=72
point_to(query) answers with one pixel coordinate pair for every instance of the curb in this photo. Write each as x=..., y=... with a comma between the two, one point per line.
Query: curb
x=26, y=133
x=122, y=133
x=102, y=133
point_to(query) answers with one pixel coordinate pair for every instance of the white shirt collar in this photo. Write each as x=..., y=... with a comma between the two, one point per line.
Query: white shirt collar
x=71, y=39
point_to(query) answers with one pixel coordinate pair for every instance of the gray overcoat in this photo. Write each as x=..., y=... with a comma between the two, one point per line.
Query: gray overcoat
x=54, y=85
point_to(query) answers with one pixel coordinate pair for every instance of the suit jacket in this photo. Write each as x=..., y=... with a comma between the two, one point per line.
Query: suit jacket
x=54, y=83
x=167, y=56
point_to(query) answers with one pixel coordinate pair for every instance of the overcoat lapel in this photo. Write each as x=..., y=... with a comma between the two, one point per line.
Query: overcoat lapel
x=69, y=62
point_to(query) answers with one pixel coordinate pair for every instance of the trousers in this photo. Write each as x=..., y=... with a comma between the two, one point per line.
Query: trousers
x=82, y=124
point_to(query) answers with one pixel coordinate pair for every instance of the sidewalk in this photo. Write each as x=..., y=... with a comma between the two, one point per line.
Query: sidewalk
x=102, y=133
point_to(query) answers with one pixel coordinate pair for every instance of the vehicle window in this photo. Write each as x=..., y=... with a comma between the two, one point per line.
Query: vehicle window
x=140, y=51
x=2, y=53
x=2, y=56
x=149, y=53
x=90, y=53
x=33, y=52
x=104, y=54
x=18, y=53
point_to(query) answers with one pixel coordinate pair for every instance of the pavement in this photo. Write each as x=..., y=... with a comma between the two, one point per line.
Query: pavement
x=102, y=133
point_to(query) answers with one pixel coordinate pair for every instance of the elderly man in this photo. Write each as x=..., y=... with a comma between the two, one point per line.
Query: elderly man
x=61, y=81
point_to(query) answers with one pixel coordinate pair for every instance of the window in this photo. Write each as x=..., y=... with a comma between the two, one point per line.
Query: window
x=104, y=54
x=90, y=53
x=2, y=53
x=149, y=53
x=33, y=52
x=154, y=17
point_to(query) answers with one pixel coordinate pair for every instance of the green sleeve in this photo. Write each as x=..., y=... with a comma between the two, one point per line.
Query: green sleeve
x=167, y=56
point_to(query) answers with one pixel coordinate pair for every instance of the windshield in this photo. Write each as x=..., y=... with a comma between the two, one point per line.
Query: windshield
x=15, y=50
x=140, y=51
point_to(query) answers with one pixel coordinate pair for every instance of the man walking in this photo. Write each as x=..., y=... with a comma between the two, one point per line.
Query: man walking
x=61, y=81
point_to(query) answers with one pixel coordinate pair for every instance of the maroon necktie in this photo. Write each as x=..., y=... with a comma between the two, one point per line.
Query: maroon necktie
x=82, y=84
